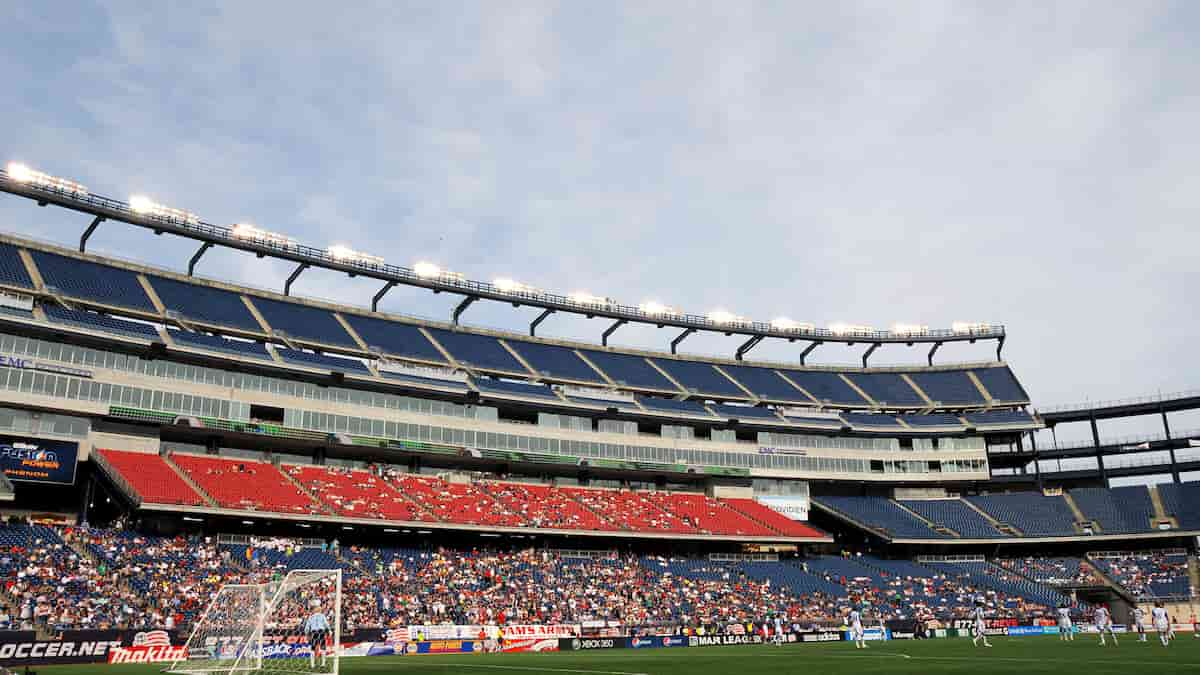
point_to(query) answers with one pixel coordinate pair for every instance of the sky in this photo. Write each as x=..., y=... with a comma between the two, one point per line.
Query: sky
x=1025, y=163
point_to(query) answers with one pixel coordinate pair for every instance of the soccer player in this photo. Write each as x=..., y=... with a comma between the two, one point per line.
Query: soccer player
x=1139, y=623
x=778, y=631
x=882, y=626
x=856, y=629
x=1195, y=627
x=1066, y=631
x=1162, y=622
x=316, y=629
x=1104, y=623
x=980, y=624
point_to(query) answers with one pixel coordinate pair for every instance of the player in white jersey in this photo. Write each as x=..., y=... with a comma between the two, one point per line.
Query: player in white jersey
x=1066, y=631
x=980, y=624
x=856, y=629
x=1162, y=622
x=1104, y=623
x=883, y=634
x=316, y=629
x=1139, y=623
x=778, y=637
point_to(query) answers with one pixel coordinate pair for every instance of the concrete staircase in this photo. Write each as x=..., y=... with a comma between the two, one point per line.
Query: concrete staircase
x=1000, y=527
x=326, y=508
x=188, y=479
x=1081, y=520
x=1160, y=512
x=940, y=529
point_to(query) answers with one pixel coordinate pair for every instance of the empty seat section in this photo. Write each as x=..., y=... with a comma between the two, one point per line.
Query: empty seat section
x=547, y=507
x=1121, y=510
x=394, y=338
x=826, y=387
x=1000, y=417
x=871, y=421
x=948, y=387
x=153, y=480
x=1002, y=384
x=956, y=515
x=888, y=389
x=424, y=381
x=245, y=485
x=205, y=303
x=744, y=412
x=772, y=518
x=458, y=502
x=87, y=280
x=100, y=322
x=332, y=363
x=628, y=370
x=478, y=351
x=1182, y=502
x=700, y=378
x=1033, y=513
x=217, y=343
x=357, y=493
x=557, y=362
x=881, y=514
x=506, y=388
x=668, y=405
x=302, y=322
x=766, y=384
x=708, y=515
x=817, y=422
x=932, y=420
x=12, y=268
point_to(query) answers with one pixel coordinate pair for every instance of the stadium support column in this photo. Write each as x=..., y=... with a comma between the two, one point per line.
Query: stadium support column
x=1170, y=446
x=747, y=346
x=867, y=354
x=462, y=307
x=682, y=336
x=83, y=239
x=999, y=347
x=933, y=350
x=382, y=292
x=287, y=286
x=616, y=324
x=1037, y=466
x=196, y=258
x=808, y=350
x=1099, y=454
x=541, y=317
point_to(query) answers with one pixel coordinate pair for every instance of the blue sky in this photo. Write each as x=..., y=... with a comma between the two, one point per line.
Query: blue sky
x=1027, y=163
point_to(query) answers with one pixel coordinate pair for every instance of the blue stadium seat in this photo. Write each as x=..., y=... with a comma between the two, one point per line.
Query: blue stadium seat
x=1182, y=501
x=826, y=387
x=932, y=420
x=1033, y=513
x=668, y=405
x=217, y=343
x=478, y=351
x=888, y=389
x=766, y=384
x=87, y=280
x=1122, y=510
x=744, y=412
x=881, y=514
x=394, y=338
x=629, y=370
x=948, y=387
x=956, y=515
x=1002, y=384
x=1000, y=418
x=816, y=422
x=871, y=421
x=507, y=388
x=331, y=363
x=305, y=323
x=560, y=363
x=417, y=380
x=12, y=268
x=204, y=303
x=100, y=322
x=701, y=378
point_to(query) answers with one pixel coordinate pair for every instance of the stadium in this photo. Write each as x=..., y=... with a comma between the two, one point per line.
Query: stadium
x=196, y=470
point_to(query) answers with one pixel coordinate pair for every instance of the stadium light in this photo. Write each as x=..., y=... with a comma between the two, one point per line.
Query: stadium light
x=655, y=308
x=722, y=317
x=909, y=329
x=585, y=298
x=969, y=326
x=506, y=285
x=849, y=329
x=248, y=232
x=148, y=207
x=343, y=253
x=21, y=173
x=784, y=323
x=428, y=270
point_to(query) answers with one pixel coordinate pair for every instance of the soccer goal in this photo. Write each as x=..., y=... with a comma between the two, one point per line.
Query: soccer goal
x=288, y=626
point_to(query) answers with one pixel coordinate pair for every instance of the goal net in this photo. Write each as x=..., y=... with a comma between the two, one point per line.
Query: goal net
x=288, y=626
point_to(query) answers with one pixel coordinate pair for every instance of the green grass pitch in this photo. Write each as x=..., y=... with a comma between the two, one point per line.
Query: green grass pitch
x=1023, y=655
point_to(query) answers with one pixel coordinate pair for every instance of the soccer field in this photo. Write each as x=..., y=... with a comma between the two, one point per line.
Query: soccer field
x=1025, y=655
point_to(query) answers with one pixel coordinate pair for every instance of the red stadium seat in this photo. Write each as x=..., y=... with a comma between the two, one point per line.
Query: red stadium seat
x=152, y=478
x=246, y=484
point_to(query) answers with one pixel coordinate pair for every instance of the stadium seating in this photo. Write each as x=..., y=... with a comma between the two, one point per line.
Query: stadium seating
x=708, y=515
x=830, y=423
x=671, y=406
x=204, y=304
x=955, y=515
x=480, y=352
x=89, y=281
x=425, y=381
x=1148, y=575
x=872, y=421
x=560, y=363
x=323, y=361
x=506, y=388
x=12, y=268
x=766, y=384
x=457, y=502
x=245, y=484
x=948, y=387
x=357, y=494
x=301, y=322
x=701, y=378
x=627, y=370
x=100, y=322
x=1030, y=512
x=881, y=514
x=888, y=389
x=999, y=579
x=1121, y=510
x=931, y=420
x=394, y=338
x=631, y=511
x=827, y=387
x=1001, y=384
x=999, y=418
x=542, y=506
x=1053, y=571
x=1182, y=502
x=772, y=518
x=240, y=348
x=745, y=413
x=151, y=478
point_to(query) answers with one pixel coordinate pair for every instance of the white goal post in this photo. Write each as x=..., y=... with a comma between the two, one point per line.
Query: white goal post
x=290, y=626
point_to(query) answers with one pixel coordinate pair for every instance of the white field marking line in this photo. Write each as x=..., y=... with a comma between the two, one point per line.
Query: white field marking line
x=1014, y=659
x=531, y=668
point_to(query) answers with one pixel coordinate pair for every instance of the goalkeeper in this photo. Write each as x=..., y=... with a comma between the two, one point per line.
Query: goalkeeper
x=316, y=630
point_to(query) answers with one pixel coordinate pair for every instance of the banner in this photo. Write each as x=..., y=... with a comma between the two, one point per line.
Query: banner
x=20, y=648
x=658, y=641
x=37, y=460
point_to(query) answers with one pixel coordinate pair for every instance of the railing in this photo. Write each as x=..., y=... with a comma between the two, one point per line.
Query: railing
x=1114, y=403
x=1125, y=554
x=951, y=558
x=1125, y=440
